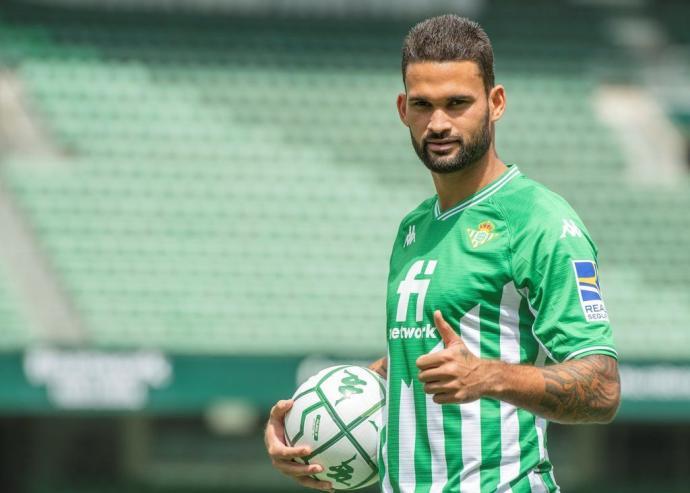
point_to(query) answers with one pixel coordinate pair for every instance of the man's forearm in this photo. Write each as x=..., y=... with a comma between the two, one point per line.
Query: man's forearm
x=380, y=366
x=580, y=391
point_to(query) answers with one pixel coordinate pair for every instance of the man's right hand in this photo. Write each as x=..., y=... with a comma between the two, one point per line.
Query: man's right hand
x=282, y=455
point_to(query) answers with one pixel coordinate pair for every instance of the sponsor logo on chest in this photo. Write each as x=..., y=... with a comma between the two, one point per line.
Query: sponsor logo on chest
x=414, y=286
x=427, y=331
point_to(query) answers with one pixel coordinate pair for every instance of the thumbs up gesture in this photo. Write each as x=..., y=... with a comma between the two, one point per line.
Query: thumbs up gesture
x=453, y=374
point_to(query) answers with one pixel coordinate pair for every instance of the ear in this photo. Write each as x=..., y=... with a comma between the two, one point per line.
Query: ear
x=497, y=102
x=402, y=108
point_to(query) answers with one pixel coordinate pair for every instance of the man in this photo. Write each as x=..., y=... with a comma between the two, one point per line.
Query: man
x=495, y=318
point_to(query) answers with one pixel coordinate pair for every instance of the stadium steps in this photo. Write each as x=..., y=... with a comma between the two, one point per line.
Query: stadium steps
x=13, y=326
x=235, y=185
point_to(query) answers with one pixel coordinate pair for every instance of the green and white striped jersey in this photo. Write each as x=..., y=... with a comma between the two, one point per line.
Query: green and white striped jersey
x=513, y=270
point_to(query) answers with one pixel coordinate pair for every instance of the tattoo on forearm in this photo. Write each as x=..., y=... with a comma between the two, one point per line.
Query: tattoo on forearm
x=585, y=390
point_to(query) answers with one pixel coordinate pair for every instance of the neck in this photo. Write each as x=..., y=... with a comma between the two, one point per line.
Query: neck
x=457, y=186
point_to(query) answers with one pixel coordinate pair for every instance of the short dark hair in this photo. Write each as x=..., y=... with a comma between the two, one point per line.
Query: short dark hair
x=450, y=38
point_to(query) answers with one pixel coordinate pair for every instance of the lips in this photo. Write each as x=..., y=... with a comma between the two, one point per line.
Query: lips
x=441, y=146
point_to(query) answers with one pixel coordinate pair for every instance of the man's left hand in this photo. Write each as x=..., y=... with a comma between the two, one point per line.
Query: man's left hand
x=453, y=374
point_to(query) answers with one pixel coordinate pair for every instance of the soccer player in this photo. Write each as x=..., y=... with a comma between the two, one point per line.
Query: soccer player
x=495, y=319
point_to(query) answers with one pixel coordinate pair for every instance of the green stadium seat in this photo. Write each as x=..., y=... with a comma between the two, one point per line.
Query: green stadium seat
x=224, y=188
x=15, y=330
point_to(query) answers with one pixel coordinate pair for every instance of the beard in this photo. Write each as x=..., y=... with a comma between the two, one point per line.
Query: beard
x=468, y=153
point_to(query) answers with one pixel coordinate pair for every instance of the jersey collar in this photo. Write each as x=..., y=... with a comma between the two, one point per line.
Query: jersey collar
x=478, y=196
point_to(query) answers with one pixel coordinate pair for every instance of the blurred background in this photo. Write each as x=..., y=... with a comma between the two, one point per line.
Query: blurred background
x=198, y=200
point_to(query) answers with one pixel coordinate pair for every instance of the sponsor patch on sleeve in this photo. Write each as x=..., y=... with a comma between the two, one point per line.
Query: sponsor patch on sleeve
x=589, y=292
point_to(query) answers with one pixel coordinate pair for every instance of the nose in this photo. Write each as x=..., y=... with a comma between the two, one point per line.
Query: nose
x=439, y=124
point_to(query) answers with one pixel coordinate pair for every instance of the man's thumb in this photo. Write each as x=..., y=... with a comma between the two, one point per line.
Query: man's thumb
x=448, y=335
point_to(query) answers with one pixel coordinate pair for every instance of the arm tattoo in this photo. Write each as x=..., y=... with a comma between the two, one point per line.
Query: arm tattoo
x=583, y=391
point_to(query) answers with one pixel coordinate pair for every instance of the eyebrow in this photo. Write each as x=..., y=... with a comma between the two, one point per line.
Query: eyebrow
x=466, y=97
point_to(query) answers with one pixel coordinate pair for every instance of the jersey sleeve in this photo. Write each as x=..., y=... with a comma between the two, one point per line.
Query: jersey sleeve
x=554, y=265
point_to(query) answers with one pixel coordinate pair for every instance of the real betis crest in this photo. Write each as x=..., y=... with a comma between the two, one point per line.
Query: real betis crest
x=483, y=234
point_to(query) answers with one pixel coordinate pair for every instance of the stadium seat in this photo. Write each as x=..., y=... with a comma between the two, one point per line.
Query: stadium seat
x=234, y=186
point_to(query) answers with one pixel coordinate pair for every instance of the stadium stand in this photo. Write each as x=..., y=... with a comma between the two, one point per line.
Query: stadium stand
x=233, y=185
x=15, y=333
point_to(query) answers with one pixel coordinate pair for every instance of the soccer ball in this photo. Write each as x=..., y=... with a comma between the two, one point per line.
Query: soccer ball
x=338, y=413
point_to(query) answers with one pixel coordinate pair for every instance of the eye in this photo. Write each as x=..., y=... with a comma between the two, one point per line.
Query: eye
x=420, y=104
x=456, y=102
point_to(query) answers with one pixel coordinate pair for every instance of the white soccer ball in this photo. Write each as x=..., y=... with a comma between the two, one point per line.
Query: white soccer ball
x=338, y=413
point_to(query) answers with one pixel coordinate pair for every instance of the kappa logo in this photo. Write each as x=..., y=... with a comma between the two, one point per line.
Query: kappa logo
x=483, y=234
x=570, y=229
x=411, y=285
x=350, y=385
x=342, y=473
x=409, y=239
